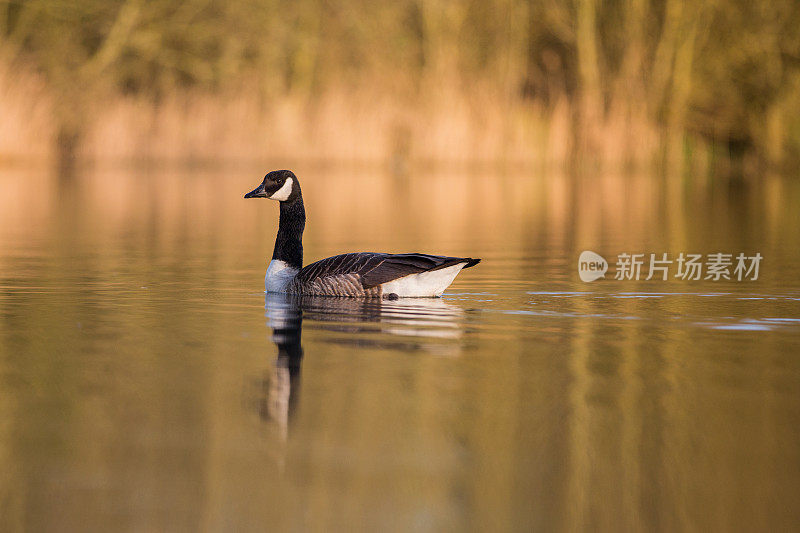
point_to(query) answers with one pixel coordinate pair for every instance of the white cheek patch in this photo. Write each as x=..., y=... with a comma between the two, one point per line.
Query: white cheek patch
x=283, y=193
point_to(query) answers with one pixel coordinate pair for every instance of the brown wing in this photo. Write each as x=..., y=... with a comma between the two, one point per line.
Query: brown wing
x=376, y=268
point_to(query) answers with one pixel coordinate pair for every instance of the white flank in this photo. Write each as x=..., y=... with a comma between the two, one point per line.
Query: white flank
x=283, y=193
x=279, y=274
x=425, y=284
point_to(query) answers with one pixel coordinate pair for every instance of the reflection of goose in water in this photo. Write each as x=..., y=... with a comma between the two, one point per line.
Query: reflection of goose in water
x=286, y=320
x=360, y=320
x=419, y=317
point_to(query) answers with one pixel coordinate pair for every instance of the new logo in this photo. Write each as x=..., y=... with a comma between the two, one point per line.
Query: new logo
x=591, y=266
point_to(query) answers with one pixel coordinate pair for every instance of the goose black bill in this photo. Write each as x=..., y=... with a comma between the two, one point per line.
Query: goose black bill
x=258, y=192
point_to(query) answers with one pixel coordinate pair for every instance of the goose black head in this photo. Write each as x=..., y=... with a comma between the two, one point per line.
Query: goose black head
x=278, y=185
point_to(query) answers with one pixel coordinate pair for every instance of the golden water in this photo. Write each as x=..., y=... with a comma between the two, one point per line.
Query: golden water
x=144, y=386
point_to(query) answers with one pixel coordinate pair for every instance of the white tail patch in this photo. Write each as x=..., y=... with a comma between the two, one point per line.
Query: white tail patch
x=279, y=274
x=424, y=284
x=283, y=193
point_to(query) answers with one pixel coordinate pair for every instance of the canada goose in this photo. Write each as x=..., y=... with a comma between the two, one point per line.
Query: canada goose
x=362, y=274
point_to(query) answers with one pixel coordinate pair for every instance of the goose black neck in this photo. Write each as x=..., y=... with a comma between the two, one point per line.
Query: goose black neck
x=289, y=242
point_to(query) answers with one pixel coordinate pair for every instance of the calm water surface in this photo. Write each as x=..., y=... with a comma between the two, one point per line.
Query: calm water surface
x=147, y=384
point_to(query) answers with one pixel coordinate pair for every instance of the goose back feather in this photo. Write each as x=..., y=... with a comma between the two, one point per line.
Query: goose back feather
x=364, y=273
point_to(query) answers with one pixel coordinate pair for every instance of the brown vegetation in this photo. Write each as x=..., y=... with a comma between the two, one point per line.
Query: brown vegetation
x=622, y=83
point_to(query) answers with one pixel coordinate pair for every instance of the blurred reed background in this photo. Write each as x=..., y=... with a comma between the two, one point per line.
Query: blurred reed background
x=703, y=86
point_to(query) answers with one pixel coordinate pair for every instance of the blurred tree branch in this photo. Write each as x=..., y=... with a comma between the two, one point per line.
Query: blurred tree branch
x=115, y=41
